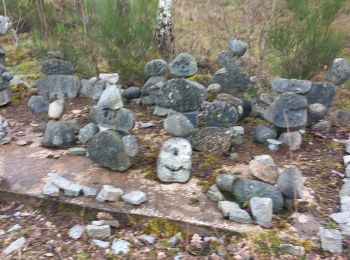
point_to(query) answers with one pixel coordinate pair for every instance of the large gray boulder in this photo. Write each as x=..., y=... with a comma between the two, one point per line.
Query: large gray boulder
x=339, y=72
x=57, y=67
x=178, y=125
x=122, y=120
x=106, y=149
x=156, y=67
x=244, y=190
x=38, y=104
x=212, y=139
x=297, y=86
x=58, y=86
x=174, y=161
x=220, y=113
x=183, y=95
x=184, y=65
x=287, y=110
x=59, y=134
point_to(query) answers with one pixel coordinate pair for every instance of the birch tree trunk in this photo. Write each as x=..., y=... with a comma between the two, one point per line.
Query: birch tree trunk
x=164, y=28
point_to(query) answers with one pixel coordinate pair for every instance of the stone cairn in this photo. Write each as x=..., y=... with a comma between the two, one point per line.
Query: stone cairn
x=5, y=78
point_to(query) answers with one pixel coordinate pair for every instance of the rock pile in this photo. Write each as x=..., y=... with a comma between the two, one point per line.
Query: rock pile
x=5, y=78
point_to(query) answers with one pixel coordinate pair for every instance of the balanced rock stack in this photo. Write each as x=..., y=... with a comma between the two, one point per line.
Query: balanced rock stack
x=113, y=147
x=156, y=70
x=231, y=77
x=5, y=78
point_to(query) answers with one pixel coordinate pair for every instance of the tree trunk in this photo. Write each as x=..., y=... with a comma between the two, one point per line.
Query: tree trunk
x=164, y=28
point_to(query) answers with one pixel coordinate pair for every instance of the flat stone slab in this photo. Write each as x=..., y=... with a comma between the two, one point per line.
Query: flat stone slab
x=26, y=170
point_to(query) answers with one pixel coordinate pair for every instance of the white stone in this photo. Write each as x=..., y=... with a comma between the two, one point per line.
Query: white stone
x=262, y=211
x=14, y=228
x=76, y=231
x=111, y=98
x=341, y=217
x=346, y=159
x=135, y=197
x=56, y=109
x=50, y=189
x=238, y=130
x=345, y=203
x=14, y=246
x=148, y=239
x=331, y=240
x=98, y=231
x=120, y=246
x=226, y=207
x=100, y=243
x=111, y=78
x=109, y=193
x=73, y=189
x=241, y=216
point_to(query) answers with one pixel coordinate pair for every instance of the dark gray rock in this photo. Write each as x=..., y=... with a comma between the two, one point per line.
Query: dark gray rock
x=183, y=95
x=155, y=80
x=5, y=133
x=221, y=114
x=292, y=140
x=212, y=139
x=132, y=92
x=322, y=93
x=174, y=162
x=237, y=47
x=4, y=83
x=193, y=116
x=225, y=182
x=232, y=80
x=38, y=104
x=92, y=88
x=244, y=190
x=58, y=86
x=106, y=149
x=57, y=67
x=184, y=65
x=339, y=72
x=178, y=125
x=322, y=127
x=297, y=86
x=262, y=133
x=122, y=120
x=287, y=110
x=226, y=59
x=87, y=131
x=59, y=134
x=156, y=67
x=5, y=96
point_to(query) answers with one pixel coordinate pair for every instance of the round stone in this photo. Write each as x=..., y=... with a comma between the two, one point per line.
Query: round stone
x=183, y=65
x=221, y=114
x=262, y=133
x=156, y=67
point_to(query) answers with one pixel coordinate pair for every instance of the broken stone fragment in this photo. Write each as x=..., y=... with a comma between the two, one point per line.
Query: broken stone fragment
x=109, y=193
x=135, y=197
x=98, y=231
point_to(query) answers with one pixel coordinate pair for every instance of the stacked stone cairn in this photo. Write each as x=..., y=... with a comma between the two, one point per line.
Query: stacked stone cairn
x=113, y=147
x=5, y=78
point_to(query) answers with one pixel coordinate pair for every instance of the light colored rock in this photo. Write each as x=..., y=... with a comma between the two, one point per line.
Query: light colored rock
x=5, y=24
x=120, y=246
x=101, y=244
x=241, y=216
x=263, y=168
x=14, y=246
x=291, y=183
x=14, y=228
x=135, y=197
x=346, y=159
x=50, y=189
x=345, y=203
x=341, y=217
x=331, y=240
x=347, y=147
x=77, y=151
x=98, y=231
x=225, y=182
x=89, y=191
x=111, y=98
x=215, y=194
x=178, y=125
x=238, y=130
x=174, y=161
x=347, y=171
x=111, y=78
x=72, y=189
x=148, y=239
x=76, y=231
x=293, y=250
x=262, y=211
x=130, y=145
x=345, y=189
x=226, y=207
x=56, y=109
x=292, y=140
x=214, y=88
x=109, y=193
x=174, y=239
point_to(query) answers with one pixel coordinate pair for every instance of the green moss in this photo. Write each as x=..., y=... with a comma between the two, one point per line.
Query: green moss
x=151, y=173
x=267, y=242
x=82, y=256
x=164, y=228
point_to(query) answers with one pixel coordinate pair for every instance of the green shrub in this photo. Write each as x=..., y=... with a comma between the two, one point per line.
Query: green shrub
x=304, y=41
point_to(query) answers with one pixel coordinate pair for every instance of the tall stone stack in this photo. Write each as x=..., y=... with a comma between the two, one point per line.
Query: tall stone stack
x=5, y=78
x=113, y=147
x=231, y=77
